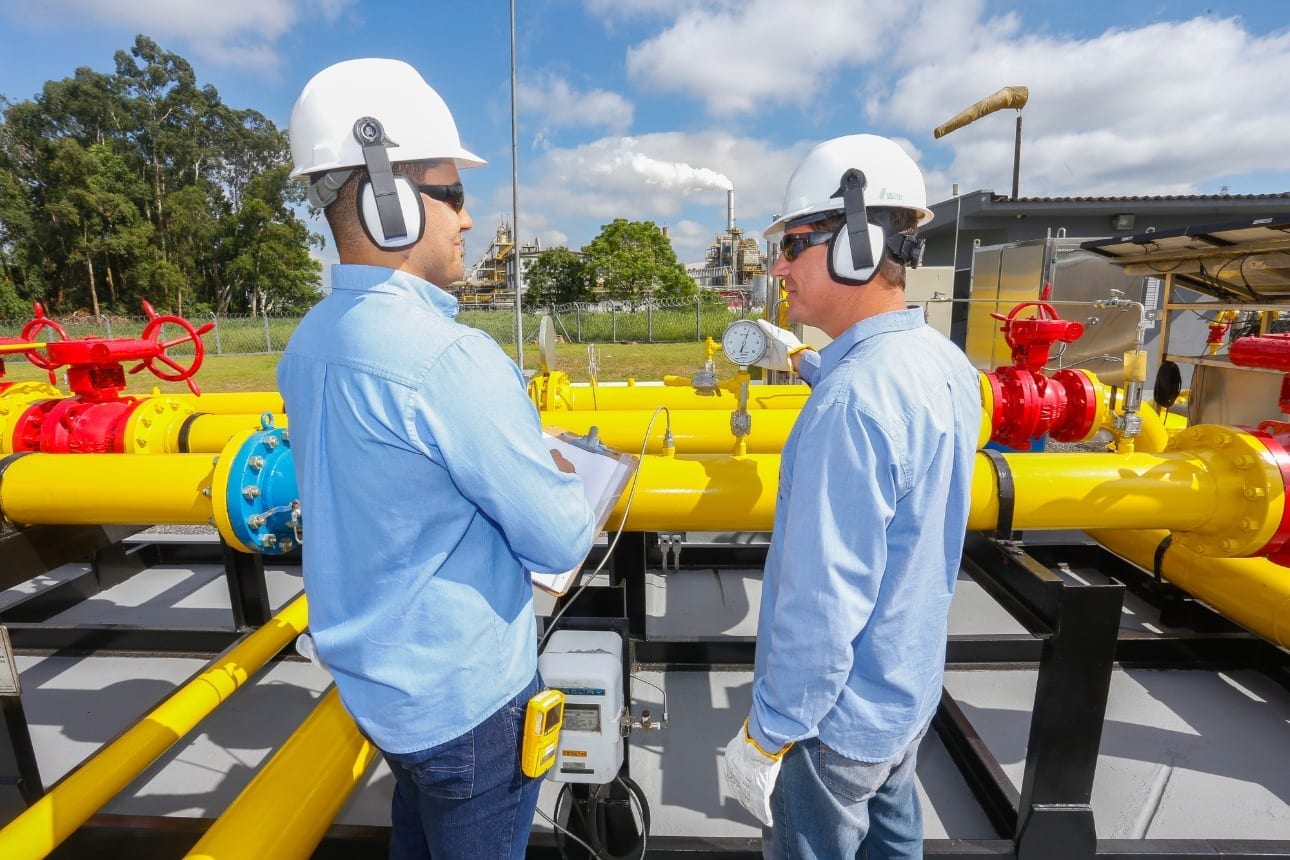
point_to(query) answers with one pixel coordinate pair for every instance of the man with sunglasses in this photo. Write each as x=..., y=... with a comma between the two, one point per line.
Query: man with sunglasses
x=874, y=493
x=427, y=493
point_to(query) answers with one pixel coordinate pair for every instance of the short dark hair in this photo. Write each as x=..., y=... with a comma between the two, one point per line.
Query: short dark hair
x=902, y=221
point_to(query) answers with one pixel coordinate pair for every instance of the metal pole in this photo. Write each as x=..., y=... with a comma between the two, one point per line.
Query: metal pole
x=958, y=216
x=1017, y=155
x=515, y=209
x=219, y=347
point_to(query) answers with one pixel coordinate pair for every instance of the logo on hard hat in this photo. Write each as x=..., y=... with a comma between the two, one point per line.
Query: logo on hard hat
x=368, y=131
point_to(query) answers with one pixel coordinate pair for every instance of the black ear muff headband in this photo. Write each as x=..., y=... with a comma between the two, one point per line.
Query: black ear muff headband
x=851, y=190
x=370, y=135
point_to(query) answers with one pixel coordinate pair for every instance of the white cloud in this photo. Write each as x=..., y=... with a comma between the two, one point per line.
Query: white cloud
x=739, y=58
x=559, y=105
x=240, y=33
x=611, y=10
x=671, y=178
x=1162, y=109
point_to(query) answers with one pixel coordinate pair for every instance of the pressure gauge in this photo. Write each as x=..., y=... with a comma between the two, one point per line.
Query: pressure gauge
x=546, y=344
x=744, y=342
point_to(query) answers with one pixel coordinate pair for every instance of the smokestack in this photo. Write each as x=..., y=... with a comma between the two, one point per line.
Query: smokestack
x=730, y=210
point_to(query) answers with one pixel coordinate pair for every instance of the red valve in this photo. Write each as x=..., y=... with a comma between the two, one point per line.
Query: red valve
x=38, y=323
x=1031, y=338
x=1027, y=404
x=95, y=419
x=152, y=331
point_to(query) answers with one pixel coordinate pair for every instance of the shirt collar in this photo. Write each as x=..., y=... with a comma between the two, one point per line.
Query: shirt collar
x=379, y=279
x=903, y=320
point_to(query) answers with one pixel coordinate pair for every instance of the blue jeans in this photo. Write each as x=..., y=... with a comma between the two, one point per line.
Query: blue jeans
x=466, y=798
x=827, y=807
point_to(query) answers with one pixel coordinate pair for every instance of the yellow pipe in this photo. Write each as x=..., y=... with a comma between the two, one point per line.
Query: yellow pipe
x=694, y=431
x=209, y=434
x=153, y=427
x=1253, y=592
x=555, y=394
x=987, y=411
x=288, y=806
x=1067, y=491
x=1218, y=487
x=231, y=403
x=1221, y=491
x=79, y=489
x=69, y=804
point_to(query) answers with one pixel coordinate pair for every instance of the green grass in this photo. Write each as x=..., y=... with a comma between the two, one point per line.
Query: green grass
x=228, y=373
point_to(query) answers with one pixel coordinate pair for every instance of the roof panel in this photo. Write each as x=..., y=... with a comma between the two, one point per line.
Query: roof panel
x=1236, y=261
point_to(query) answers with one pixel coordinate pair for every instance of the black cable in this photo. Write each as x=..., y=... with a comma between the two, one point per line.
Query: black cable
x=593, y=821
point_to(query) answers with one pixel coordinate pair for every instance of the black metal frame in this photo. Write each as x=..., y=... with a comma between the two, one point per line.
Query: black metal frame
x=1072, y=640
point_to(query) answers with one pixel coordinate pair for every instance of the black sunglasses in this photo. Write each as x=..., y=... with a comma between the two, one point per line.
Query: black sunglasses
x=795, y=243
x=454, y=195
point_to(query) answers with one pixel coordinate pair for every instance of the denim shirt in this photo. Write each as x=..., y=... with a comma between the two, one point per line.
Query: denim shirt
x=427, y=497
x=874, y=494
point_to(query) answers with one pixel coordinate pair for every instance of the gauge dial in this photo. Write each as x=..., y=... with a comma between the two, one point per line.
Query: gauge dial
x=546, y=344
x=744, y=342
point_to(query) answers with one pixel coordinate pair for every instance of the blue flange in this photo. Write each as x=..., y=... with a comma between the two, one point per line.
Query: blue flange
x=263, y=502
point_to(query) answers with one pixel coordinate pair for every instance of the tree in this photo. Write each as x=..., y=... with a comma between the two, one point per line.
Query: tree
x=558, y=276
x=143, y=184
x=634, y=261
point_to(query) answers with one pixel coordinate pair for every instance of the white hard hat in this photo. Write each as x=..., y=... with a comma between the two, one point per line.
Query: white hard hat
x=892, y=180
x=417, y=124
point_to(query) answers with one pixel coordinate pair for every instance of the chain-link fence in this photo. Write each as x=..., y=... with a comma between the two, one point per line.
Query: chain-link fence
x=232, y=334
x=242, y=334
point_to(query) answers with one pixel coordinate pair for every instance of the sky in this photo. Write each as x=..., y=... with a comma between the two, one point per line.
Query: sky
x=652, y=109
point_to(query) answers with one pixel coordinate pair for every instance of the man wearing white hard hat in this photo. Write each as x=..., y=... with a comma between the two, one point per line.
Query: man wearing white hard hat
x=874, y=492
x=426, y=491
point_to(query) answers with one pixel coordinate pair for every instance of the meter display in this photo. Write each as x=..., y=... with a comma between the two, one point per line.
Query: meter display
x=744, y=342
x=582, y=718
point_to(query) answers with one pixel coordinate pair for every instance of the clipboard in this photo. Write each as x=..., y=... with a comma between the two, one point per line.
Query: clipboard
x=605, y=474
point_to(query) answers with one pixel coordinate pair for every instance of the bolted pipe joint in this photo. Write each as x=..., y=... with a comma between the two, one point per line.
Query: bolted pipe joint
x=255, y=476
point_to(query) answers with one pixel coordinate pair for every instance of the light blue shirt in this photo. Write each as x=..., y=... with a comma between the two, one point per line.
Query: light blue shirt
x=427, y=497
x=874, y=493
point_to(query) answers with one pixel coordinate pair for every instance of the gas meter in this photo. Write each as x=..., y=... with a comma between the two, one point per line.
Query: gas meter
x=587, y=666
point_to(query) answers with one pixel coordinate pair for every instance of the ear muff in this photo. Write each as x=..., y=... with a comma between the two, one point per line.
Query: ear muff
x=409, y=214
x=841, y=258
x=857, y=248
x=389, y=205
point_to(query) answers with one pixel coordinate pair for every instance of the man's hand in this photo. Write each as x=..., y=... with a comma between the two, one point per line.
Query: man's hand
x=751, y=773
x=781, y=346
x=561, y=462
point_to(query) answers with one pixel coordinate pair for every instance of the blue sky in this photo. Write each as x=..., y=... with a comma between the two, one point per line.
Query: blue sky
x=647, y=109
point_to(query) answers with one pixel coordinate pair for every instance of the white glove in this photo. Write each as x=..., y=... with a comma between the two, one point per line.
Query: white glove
x=781, y=345
x=751, y=773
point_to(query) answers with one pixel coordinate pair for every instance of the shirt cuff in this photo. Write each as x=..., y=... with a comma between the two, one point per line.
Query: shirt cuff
x=769, y=746
x=808, y=366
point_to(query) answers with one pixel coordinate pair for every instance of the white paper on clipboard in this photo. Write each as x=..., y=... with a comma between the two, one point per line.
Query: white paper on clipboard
x=605, y=474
